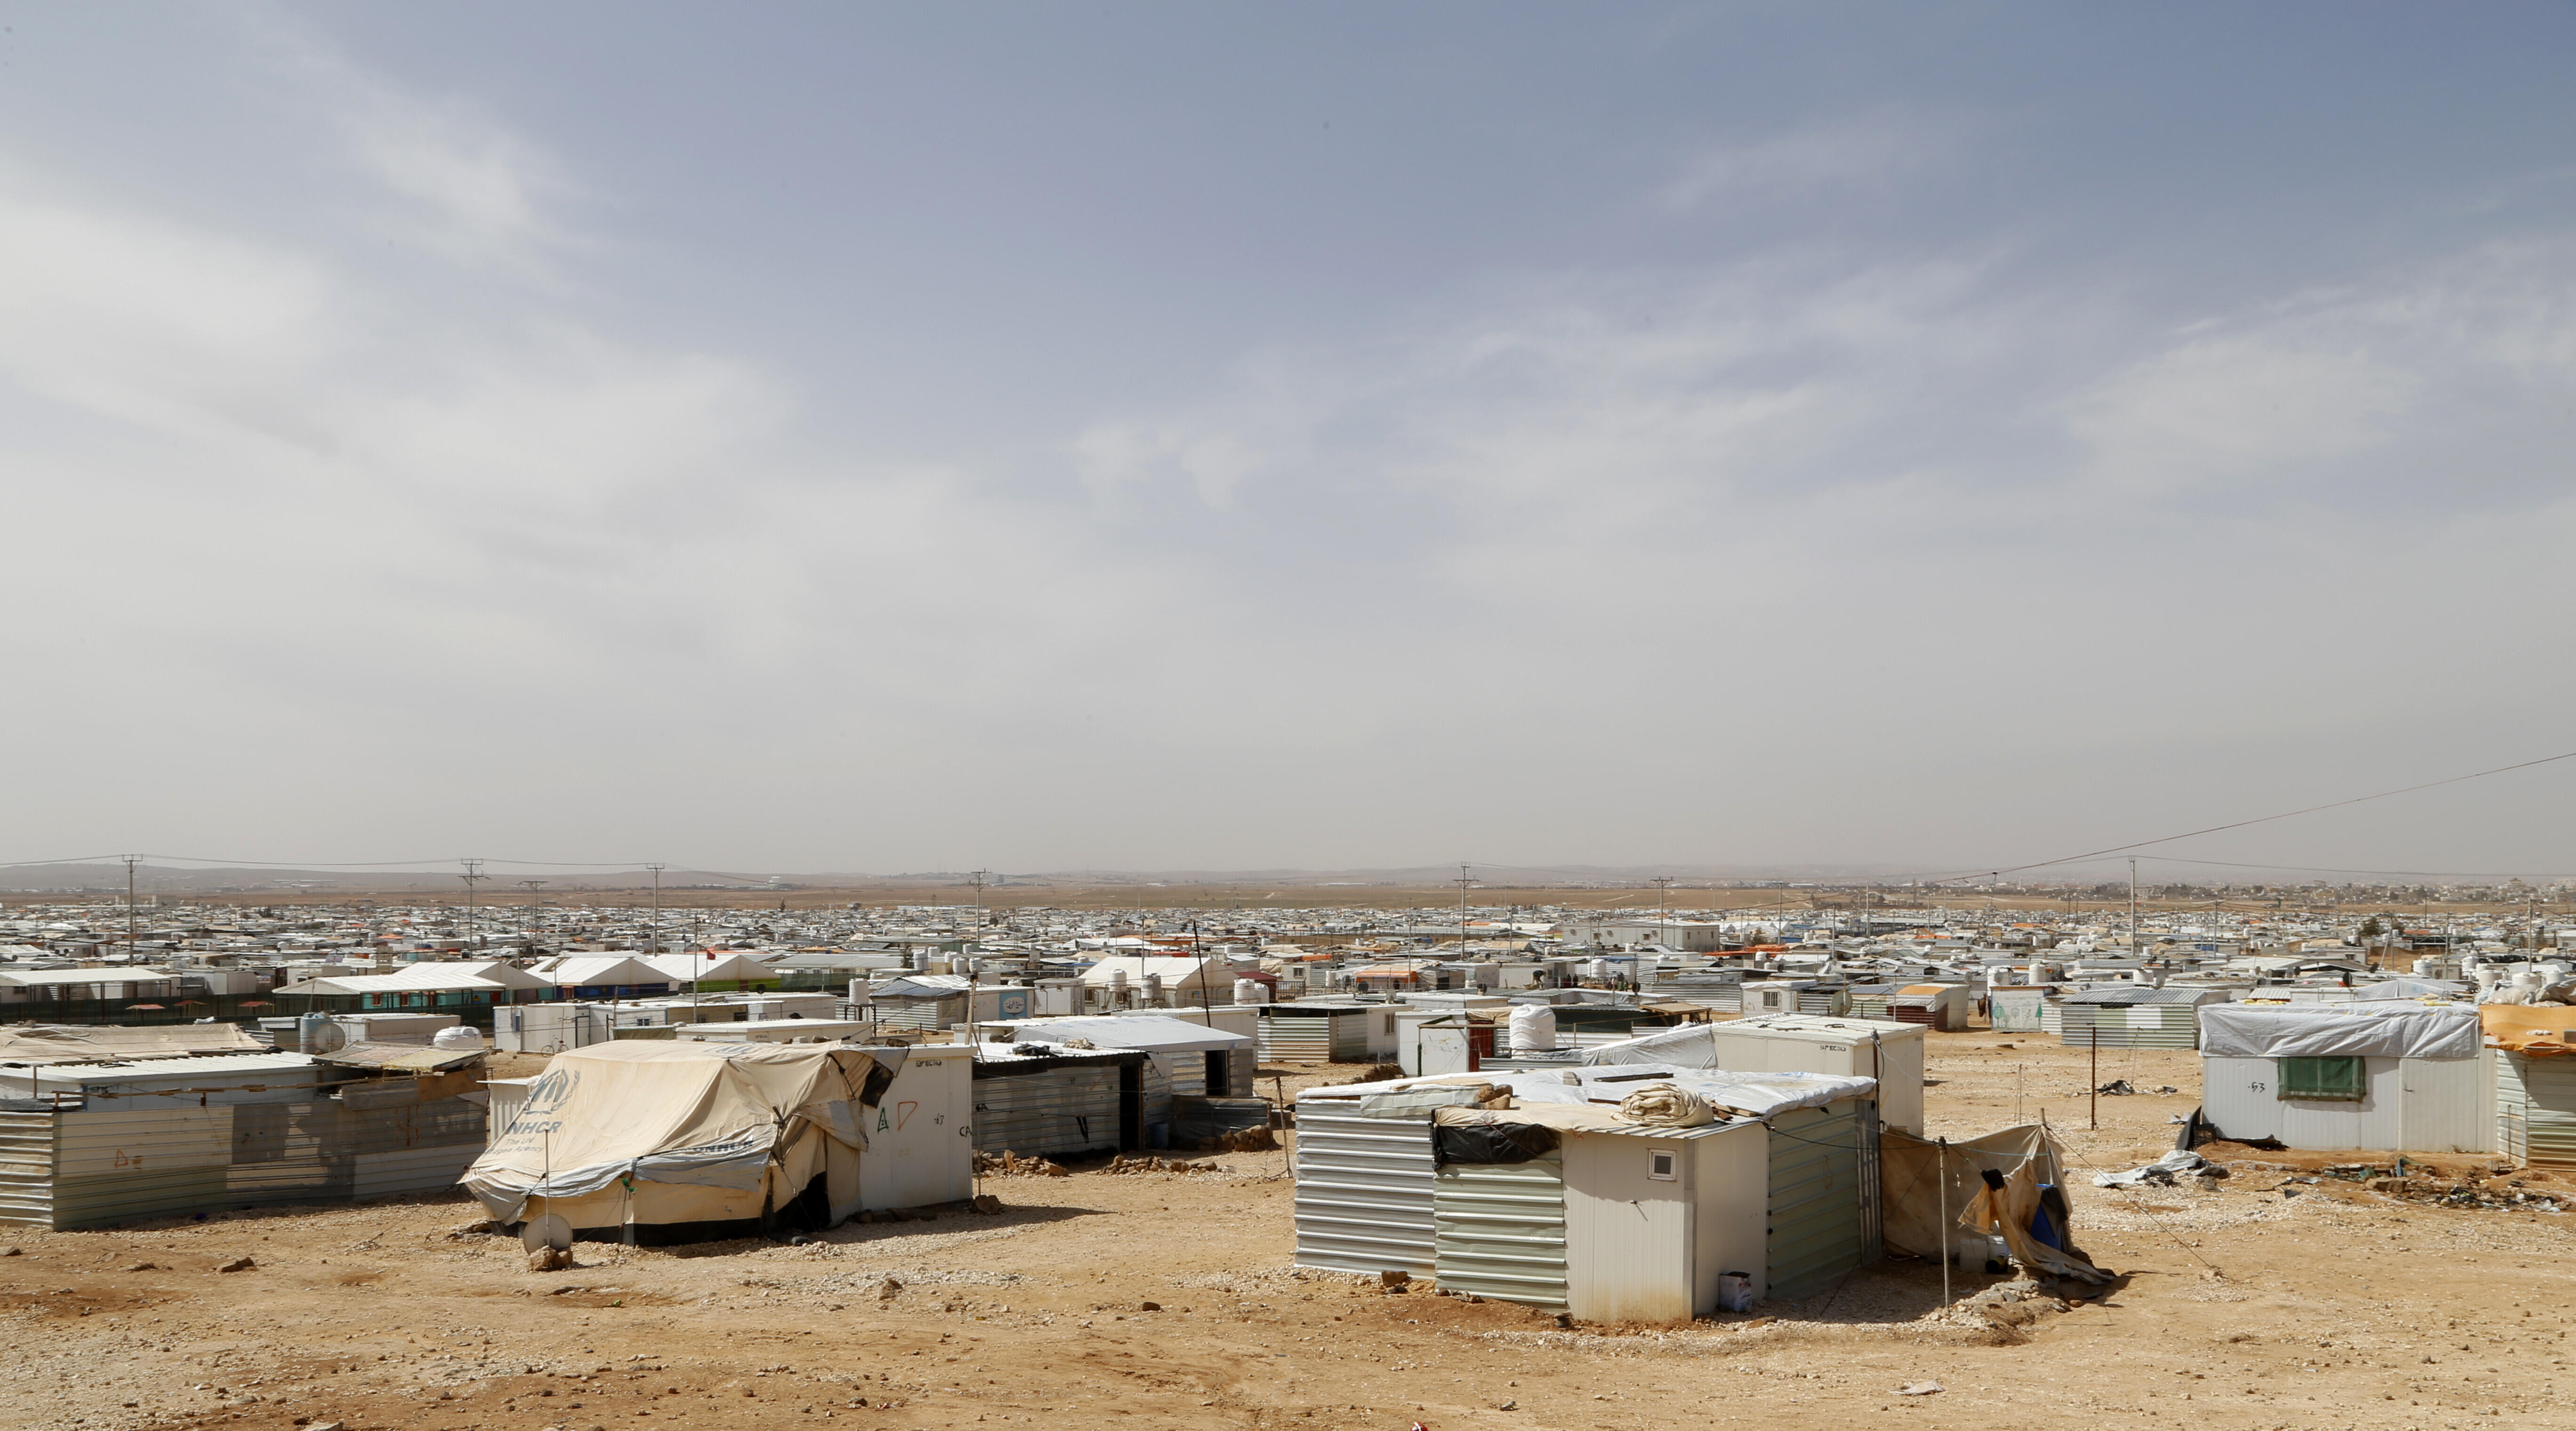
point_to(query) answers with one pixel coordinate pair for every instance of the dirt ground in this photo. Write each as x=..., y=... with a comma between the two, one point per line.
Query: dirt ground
x=1167, y=1300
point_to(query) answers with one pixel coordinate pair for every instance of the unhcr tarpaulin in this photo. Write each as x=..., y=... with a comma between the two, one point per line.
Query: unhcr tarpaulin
x=654, y=1133
x=2378, y=1030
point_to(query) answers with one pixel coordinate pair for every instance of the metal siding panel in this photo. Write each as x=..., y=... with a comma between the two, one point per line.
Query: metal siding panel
x=289, y=1153
x=91, y=1144
x=2542, y=1093
x=1818, y=1226
x=2017, y=1010
x=1057, y=1113
x=1364, y=1192
x=410, y=1171
x=1628, y=1254
x=2446, y=1109
x=27, y=1168
x=1501, y=1231
x=99, y=1199
x=2237, y=1097
x=1296, y=1038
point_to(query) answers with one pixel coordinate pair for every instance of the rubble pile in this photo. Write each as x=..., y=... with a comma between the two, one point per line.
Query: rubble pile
x=1125, y=1164
x=1012, y=1165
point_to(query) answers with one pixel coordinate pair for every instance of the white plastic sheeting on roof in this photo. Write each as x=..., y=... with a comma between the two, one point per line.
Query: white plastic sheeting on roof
x=1758, y=1094
x=2409, y=988
x=2382, y=1030
x=1158, y=1035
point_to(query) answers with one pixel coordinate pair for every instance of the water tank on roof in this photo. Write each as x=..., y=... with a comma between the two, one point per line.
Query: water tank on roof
x=1533, y=1028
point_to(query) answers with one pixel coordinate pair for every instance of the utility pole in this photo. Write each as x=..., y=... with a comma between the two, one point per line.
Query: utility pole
x=2133, y=908
x=1463, y=882
x=473, y=873
x=130, y=862
x=653, y=942
x=977, y=878
x=532, y=886
x=1663, y=929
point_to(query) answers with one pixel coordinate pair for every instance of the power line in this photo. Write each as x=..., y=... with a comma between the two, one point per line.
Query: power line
x=2258, y=820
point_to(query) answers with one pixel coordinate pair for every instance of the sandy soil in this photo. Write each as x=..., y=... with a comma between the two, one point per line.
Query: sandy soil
x=2332, y=1306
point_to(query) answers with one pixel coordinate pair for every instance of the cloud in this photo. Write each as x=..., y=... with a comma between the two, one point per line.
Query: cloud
x=2420, y=383
x=1859, y=152
x=470, y=188
x=484, y=194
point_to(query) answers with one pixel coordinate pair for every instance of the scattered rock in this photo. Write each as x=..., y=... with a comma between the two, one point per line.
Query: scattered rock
x=1149, y=1306
x=1393, y=1279
x=144, y=1267
x=238, y=1264
x=887, y=1288
x=1918, y=1388
x=547, y=1259
x=1012, y=1165
x=987, y=1203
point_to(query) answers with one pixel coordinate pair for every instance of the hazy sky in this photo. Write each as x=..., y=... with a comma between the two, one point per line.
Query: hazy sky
x=845, y=437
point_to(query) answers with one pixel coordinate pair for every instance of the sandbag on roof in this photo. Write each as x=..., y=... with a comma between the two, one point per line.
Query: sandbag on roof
x=2351, y=1030
x=704, y=1115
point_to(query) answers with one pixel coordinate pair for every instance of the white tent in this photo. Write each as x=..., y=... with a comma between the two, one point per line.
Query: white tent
x=722, y=968
x=675, y=1137
x=598, y=971
x=431, y=977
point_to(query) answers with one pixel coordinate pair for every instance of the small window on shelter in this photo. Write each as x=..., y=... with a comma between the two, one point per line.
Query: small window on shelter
x=1662, y=1165
x=2332, y=1079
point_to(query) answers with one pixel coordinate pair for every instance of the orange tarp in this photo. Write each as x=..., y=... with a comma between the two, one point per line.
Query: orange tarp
x=2535, y=1029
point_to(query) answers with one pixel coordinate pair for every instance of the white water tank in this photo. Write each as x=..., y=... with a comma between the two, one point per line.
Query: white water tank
x=1153, y=991
x=1251, y=991
x=2424, y=968
x=1533, y=1028
x=459, y=1037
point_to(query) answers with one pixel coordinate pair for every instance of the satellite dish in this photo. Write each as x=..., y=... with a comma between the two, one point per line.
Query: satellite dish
x=549, y=1231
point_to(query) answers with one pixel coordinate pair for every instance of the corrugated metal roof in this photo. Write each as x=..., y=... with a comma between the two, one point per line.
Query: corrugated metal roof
x=403, y=1057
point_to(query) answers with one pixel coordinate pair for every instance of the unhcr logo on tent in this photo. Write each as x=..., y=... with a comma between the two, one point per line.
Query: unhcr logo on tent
x=549, y=1092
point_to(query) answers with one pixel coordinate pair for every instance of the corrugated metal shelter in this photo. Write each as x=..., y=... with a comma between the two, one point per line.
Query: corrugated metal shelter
x=1372, y=1195
x=1316, y=1032
x=2379, y=1076
x=1621, y=1222
x=1364, y=1185
x=2535, y=1081
x=1197, y=1059
x=102, y=1161
x=1941, y=1007
x=2134, y=1016
x=1054, y=1102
